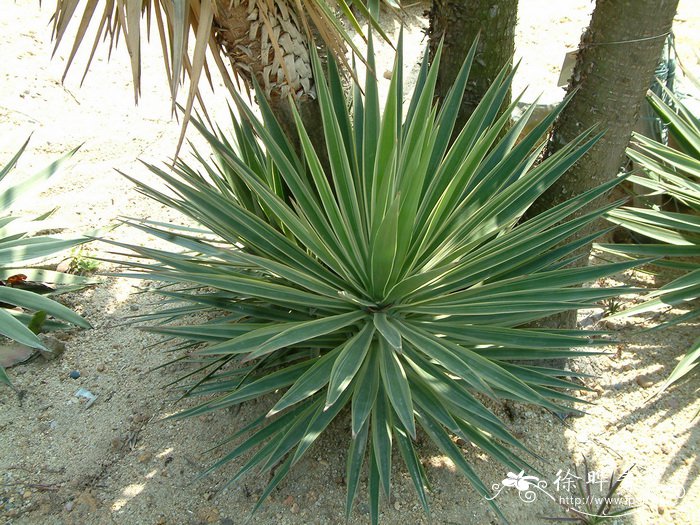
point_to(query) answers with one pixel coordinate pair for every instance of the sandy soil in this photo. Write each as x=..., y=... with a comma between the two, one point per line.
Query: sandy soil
x=120, y=462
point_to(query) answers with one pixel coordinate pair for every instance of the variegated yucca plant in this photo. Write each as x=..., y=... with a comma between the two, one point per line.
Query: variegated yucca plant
x=391, y=282
x=674, y=235
x=23, y=311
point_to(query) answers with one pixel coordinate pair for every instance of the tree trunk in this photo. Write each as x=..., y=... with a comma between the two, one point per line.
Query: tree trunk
x=459, y=22
x=267, y=41
x=615, y=66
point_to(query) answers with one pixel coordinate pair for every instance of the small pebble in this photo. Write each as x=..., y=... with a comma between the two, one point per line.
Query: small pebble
x=644, y=383
x=27, y=494
x=101, y=367
x=74, y=374
x=295, y=508
x=208, y=515
x=64, y=266
x=55, y=347
x=661, y=509
x=387, y=74
x=145, y=457
x=69, y=506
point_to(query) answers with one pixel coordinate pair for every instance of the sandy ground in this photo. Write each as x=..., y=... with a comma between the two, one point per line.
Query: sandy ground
x=120, y=462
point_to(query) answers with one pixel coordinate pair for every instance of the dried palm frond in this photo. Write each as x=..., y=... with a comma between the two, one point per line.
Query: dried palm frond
x=267, y=40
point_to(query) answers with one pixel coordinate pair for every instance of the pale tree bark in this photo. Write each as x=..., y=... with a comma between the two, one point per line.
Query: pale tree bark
x=459, y=22
x=615, y=66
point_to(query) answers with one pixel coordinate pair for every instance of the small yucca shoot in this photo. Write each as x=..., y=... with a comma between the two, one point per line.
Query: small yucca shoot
x=392, y=283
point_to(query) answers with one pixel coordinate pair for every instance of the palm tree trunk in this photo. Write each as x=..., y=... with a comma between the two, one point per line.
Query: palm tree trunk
x=266, y=40
x=615, y=66
x=459, y=22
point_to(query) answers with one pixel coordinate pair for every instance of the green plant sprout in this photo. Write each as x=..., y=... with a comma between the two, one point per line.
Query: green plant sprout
x=81, y=263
